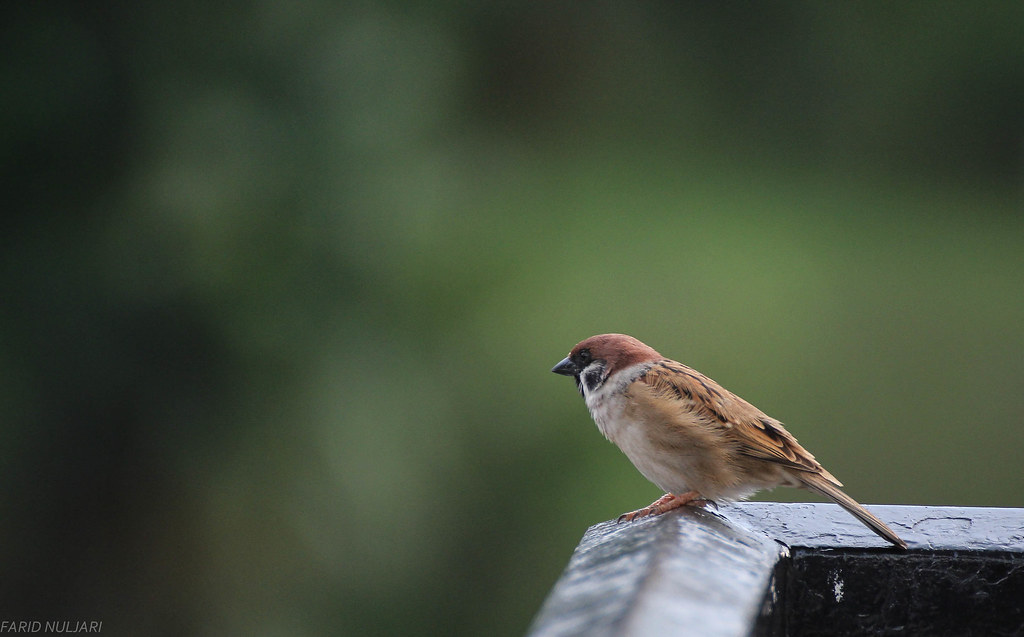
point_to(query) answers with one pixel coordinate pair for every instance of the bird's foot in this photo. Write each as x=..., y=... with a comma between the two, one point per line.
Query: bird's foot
x=666, y=503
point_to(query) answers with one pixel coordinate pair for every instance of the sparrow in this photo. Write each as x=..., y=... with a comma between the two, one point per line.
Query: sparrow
x=691, y=437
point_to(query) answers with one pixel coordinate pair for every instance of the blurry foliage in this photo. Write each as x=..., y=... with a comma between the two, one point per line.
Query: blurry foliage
x=282, y=283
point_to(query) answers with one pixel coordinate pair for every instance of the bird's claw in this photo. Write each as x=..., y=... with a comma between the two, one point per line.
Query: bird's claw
x=666, y=503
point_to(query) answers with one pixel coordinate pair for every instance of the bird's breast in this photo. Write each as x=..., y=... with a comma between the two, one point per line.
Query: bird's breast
x=674, y=447
x=671, y=468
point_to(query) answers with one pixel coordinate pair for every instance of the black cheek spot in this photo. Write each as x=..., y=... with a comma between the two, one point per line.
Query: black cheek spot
x=592, y=379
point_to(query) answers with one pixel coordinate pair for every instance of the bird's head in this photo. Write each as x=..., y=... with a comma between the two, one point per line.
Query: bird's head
x=592, y=361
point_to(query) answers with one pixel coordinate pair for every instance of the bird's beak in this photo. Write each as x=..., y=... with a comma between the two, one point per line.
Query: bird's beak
x=565, y=367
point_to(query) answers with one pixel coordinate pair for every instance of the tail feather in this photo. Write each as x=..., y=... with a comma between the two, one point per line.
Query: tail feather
x=820, y=485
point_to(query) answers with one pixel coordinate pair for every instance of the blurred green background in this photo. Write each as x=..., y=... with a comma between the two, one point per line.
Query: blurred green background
x=282, y=284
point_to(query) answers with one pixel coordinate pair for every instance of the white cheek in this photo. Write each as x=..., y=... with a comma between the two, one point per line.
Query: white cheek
x=592, y=378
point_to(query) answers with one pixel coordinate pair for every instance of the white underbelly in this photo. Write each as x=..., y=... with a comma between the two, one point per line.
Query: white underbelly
x=672, y=470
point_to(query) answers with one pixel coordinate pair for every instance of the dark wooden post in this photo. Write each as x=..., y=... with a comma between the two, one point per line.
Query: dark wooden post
x=773, y=569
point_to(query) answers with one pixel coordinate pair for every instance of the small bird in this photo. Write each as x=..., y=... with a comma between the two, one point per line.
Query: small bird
x=694, y=439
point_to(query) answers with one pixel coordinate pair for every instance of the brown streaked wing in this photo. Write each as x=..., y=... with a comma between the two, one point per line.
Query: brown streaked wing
x=759, y=435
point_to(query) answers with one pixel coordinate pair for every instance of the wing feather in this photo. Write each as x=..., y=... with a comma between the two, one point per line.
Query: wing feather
x=756, y=434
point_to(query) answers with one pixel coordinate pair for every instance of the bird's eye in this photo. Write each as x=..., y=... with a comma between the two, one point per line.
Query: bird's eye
x=584, y=357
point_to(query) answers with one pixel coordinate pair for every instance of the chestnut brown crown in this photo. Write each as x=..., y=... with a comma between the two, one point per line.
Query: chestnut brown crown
x=616, y=351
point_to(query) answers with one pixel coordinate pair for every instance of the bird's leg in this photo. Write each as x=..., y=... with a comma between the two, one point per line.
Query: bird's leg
x=666, y=503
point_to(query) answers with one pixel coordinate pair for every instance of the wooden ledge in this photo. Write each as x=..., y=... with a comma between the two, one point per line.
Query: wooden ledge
x=769, y=568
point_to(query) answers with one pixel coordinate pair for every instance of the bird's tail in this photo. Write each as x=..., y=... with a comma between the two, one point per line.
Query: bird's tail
x=818, y=484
